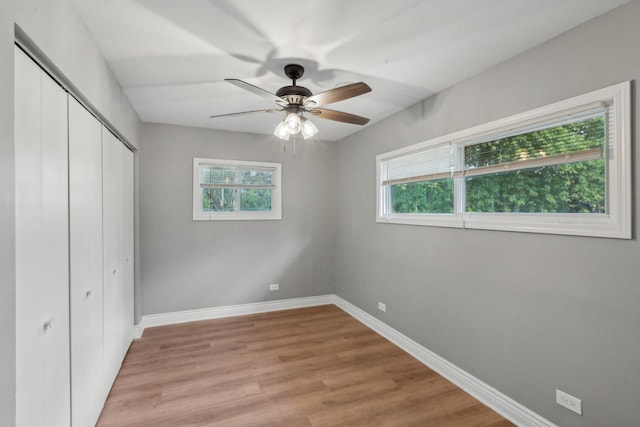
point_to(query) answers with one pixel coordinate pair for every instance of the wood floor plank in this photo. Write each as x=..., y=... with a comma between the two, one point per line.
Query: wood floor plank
x=314, y=367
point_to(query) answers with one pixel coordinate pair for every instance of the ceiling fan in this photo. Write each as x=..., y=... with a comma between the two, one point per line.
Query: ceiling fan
x=295, y=100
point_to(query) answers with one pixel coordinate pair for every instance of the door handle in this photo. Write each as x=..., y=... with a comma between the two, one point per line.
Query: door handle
x=49, y=324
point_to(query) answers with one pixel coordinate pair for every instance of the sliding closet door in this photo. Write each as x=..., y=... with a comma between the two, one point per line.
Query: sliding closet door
x=118, y=295
x=127, y=247
x=56, y=251
x=89, y=386
x=42, y=251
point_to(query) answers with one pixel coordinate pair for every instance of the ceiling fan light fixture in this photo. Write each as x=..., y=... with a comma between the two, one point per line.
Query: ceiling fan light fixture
x=308, y=128
x=296, y=100
x=293, y=123
x=281, y=131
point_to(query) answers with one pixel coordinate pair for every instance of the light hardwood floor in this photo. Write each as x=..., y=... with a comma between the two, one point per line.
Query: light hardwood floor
x=315, y=366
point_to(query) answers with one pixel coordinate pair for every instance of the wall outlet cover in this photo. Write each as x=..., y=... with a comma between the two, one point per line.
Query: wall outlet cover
x=274, y=287
x=570, y=402
x=382, y=306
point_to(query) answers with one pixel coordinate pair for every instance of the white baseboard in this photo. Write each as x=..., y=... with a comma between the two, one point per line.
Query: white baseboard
x=228, y=311
x=502, y=404
x=499, y=402
x=138, y=330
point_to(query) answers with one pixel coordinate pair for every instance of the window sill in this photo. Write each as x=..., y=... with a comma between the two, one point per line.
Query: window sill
x=594, y=225
x=238, y=216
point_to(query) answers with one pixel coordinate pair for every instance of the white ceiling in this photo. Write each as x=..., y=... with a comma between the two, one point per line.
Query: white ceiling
x=171, y=56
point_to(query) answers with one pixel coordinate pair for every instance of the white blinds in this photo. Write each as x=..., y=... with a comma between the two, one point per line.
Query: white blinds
x=429, y=164
x=534, y=162
x=563, y=117
x=223, y=176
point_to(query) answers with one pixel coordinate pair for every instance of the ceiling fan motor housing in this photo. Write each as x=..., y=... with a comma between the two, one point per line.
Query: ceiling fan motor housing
x=294, y=94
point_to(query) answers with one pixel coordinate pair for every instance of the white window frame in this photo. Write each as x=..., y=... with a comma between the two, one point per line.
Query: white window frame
x=276, y=192
x=615, y=223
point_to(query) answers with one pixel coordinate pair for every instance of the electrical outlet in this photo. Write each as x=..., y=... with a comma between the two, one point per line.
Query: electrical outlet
x=382, y=306
x=274, y=287
x=570, y=402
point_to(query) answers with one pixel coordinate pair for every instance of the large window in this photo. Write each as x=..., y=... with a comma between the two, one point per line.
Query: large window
x=236, y=190
x=563, y=168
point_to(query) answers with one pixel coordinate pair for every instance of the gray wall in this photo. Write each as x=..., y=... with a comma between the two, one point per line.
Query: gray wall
x=526, y=313
x=58, y=31
x=190, y=264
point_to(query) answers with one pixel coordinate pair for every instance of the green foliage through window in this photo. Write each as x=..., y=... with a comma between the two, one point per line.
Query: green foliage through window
x=423, y=197
x=255, y=199
x=219, y=199
x=570, y=188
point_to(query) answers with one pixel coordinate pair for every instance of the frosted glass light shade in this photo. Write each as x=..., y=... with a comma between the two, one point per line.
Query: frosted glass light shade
x=308, y=129
x=281, y=131
x=293, y=123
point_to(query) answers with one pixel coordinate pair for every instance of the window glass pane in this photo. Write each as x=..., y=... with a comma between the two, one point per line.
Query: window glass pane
x=565, y=188
x=569, y=188
x=217, y=175
x=255, y=199
x=219, y=199
x=434, y=196
x=257, y=177
x=567, y=138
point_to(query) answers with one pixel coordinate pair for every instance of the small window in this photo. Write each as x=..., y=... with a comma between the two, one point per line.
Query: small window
x=562, y=169
x=236, y=190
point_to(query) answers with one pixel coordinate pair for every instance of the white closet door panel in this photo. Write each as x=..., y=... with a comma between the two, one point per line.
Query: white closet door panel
x=112, y=243
x=127, y=247
x=55, y=238
x=29, y=251
x=42, y=278
x=88, y=385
